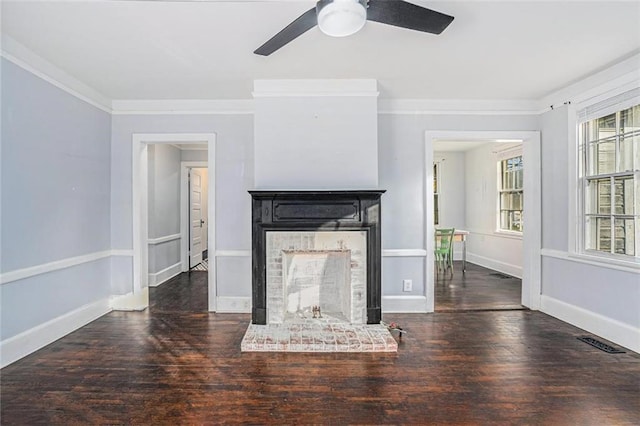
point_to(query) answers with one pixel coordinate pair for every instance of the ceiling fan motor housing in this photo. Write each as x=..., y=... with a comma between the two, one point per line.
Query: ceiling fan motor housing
x=341, y=18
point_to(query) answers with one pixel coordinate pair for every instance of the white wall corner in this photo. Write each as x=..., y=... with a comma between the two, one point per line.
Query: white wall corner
x=404, y=304
x=615, y=331
x=615, y=79
x=25, y=58
x=131, y=301
x=235, y=305
x=27, y=342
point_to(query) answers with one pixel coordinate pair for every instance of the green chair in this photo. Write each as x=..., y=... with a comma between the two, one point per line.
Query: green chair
x=444, y=249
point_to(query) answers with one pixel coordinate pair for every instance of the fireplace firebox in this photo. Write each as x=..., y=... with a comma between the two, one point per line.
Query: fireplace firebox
x=306, y=212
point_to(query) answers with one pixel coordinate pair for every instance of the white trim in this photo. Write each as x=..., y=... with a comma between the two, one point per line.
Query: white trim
x=131, y=301
x=31, y=271
x=404, y=304
x=165, y=239
x=532, y=236
x=29, y=341
x=404, y=253
x=184, y=209
x=458, y=107
x=165, y=275
x=228, y=304
x=182, y=107
x=140, y=216
x=592, y=260
x=596, y=87
x=315, y=88
x=233, y=253
x=122, y=252
x=40, y=67
x=496, y=265
x=610, y=329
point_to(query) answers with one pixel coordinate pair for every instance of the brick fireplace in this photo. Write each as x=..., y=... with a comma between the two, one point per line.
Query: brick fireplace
x=316, y=249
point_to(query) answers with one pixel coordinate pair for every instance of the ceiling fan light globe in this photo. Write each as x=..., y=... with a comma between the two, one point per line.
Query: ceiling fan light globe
x=342, y=18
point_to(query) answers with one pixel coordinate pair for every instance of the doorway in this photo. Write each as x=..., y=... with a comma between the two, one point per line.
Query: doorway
x=140, y=210
x=529, y=239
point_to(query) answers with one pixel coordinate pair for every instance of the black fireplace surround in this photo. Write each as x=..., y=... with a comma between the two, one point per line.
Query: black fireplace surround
x=316, y=211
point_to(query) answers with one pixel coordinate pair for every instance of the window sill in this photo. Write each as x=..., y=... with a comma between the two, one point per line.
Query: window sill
x=632, y=266
x=508, y=234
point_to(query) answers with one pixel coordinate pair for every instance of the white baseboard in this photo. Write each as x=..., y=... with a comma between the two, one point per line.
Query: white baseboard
x=404, y=304
x=165, y=275
x=236, y=305
x=131, y=301
x=607, y=328
x=21, y=345
x=496, y=265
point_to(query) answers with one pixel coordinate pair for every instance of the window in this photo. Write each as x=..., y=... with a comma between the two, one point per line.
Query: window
x=610, y=172
x=511, y=194
x=436, y=185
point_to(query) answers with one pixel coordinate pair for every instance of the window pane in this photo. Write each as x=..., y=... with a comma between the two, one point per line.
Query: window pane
x=630, y=120
x=625, y=235
x=599, y=196
x=603, y=157
x=623, y=200
x=599, y=234
x=629, y=153
x=517, y=221
x=604, y=127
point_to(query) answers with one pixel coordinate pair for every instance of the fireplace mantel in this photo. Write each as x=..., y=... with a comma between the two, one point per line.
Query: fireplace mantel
x=357, y=210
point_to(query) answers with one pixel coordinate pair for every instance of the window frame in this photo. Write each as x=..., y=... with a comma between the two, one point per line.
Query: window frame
x=503, y=158
x=436, y=192
x=586, y=208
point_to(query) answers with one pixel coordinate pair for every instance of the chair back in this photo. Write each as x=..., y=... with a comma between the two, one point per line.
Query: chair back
x=444, y=239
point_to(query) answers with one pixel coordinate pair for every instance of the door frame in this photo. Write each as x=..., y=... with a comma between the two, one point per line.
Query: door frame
x=140, y=213
x=532, y=235
x=184, y=209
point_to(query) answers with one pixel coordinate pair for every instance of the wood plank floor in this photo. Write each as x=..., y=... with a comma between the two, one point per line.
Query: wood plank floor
x=170, y=366
x=477, y=289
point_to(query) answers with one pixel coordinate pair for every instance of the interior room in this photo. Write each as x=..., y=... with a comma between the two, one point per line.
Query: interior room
x=155, y=154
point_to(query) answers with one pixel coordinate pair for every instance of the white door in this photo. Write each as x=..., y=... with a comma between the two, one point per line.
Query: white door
x=195, y=216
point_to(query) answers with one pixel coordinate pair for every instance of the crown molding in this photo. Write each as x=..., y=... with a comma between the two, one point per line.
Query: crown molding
x=622, y=76
x=23, y=57
x=457, y=107
x=182, y=107
x=364, y=87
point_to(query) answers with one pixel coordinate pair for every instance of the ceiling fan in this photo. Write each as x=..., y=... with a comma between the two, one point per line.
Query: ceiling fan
x=340, y=18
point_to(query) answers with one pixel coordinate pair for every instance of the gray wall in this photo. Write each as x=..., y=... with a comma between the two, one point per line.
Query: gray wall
x=401, y=147
x=598, y=289
x=55, y=199
x=163, y=205
x=233, y=178
x=452, y=203
x=485, y=246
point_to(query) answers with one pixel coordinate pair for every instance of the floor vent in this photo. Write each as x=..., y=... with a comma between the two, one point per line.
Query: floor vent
x=602, y=346
x=500, y=275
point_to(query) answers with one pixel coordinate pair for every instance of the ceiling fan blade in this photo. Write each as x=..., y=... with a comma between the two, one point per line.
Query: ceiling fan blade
x=301, y=25
x=407, y=15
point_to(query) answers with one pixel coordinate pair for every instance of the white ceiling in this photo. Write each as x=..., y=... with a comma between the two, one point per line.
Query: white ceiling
x=511, y=50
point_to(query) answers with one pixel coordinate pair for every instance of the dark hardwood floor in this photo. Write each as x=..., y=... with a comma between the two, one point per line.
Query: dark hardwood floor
x=167, y=366
x=186, y=292
x=476, y=290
